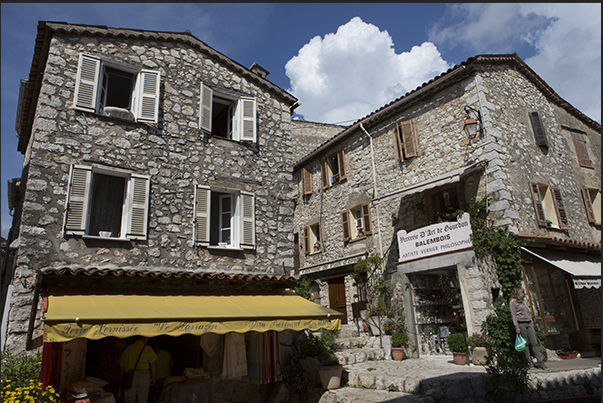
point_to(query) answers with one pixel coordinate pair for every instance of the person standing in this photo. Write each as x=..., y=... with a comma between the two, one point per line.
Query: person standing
x=522, y=320
x=164, y=365
x=141, y=357
x=108, y=366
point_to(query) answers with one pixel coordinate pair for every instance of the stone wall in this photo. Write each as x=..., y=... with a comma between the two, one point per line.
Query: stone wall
x=307, y=136
x=173, y=152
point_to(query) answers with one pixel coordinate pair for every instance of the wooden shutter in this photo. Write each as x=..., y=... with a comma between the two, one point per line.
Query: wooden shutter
x=205, y=112
x=366, y=219
x=560, y=207
x=538, y=129
x=345, y=224
x=538, y=207
x=324, y=170
x=86, y=83
x=148, y=109
x=77, y=200
x=341, y=165
x=138, y=202
x=590, y=212
x=202, y=211
x=581, y=150
x=307, y=184
x=247, y=208
x=409, y=139
x=399, y=151
x=307, y=240
x=248, y=120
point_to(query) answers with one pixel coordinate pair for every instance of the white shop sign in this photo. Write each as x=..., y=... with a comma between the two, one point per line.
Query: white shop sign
x=435, y=239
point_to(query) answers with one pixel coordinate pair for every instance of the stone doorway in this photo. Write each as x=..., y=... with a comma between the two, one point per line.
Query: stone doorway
x=337, y=300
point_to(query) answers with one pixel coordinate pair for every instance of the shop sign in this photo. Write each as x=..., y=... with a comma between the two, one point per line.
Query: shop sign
x=435, y=239
x=580, y=283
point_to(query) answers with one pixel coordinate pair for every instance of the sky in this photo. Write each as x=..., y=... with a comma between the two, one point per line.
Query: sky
x=342, y=61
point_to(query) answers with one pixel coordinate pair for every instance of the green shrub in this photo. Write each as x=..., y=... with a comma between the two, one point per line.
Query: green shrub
x=20, y=367
x=499, y=326
x=508, y=378
x=20, y=380
x=399, y=339
x=457, y=343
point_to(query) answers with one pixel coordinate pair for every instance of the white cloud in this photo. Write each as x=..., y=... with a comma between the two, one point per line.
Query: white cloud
x=563, y=42
x=349, y=74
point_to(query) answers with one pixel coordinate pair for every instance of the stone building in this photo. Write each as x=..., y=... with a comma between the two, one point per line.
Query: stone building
x=382, y=185
x=155, y=199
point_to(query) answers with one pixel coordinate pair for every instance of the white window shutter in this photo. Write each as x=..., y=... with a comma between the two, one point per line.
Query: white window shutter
x=86, y=83
x=205, y=107
x=77, y=200
x=148, y=96
x=138, y=202
x=247, y=209
x=202, y=211
x=247, y=123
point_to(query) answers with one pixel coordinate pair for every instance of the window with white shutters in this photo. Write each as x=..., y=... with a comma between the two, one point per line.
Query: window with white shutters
x=227, y=116
x=107, y=203
x=224, y=218
x=114, y=90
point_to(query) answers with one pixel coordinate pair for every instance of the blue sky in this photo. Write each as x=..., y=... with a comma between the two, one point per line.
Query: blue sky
x=342, y=61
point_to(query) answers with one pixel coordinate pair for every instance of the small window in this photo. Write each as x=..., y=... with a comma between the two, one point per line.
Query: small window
x=549, y=206
x=306, y=179
x=228, y=117
x=581, y=149
x=333, y=169
x=538, y=129
x=356, y=222
x=406, y=141
x=592, y=203
x=106, y=88
x=443, y=201
x=312, y=241
x=107, y=203
x=224, y=218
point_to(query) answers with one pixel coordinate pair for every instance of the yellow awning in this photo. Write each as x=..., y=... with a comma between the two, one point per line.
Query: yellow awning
x=73, y=314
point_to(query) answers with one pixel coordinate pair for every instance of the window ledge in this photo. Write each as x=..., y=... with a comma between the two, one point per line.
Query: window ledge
x=360, y=238
x=215, y=247
x=314, y=253
x=118, y=113
x=105, y=238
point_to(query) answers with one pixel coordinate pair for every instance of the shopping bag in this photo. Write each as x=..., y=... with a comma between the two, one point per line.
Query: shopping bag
x=520, y=343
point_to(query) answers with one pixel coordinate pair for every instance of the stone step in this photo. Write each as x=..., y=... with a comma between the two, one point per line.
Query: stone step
x=358, y=355
x=342, y=343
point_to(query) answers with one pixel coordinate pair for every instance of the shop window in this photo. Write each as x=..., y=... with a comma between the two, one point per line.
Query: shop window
x=110, y=89
x=406, y=141
x=312, y=241
x=549, y=206
x=592, y=203
x=443, y=201
x=581, y=149
x=224, y=218
x=356, y=222
x=538, y=129
x=107, y=203
x=306, y=181
x=228, y=116
x=333, y=169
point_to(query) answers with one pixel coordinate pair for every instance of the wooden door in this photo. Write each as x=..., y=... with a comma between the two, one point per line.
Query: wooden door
x=337, y=297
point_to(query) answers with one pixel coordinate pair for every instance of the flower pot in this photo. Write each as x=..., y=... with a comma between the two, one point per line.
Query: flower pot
x=459, y=358
x=374, y=323
x=567, y=356
x=330, y=375
x=397, y=353
x=478, y=355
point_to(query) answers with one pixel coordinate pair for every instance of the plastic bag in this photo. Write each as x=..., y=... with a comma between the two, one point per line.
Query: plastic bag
x=520, y=343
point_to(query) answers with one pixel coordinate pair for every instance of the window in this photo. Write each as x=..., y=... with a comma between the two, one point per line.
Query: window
x=107, y=202
x=333, y=169
x=581, y=149
x=312, y=239
x=114, y=90
x=406, y=141
x=444, y=200
x=549, y=207
x=592, y=203
x=538, y=129
x=227, y=116
x=224, y=218
x=306, y=180
x=356, y=222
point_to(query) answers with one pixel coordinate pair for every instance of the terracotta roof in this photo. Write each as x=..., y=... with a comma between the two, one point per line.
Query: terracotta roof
x=182, y=274
x=461, y=70
x=560, y=241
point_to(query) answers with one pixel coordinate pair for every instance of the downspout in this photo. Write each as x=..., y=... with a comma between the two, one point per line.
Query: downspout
x=375, y=190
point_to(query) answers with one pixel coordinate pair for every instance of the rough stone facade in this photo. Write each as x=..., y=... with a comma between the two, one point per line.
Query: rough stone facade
x=174, y=152
x=307, y=136
x=503, y=160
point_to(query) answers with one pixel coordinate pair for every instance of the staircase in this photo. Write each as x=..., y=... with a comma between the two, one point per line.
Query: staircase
x=353, y=347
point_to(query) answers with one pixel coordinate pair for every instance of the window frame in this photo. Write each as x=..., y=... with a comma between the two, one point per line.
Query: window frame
x=592, y=204
x=406, y=140
x=538, y=129
x=581, y=147
x=242, y=125
x=544, y=205
x=311, y=236
x=243, y=224
x=307, y=181
x=430, y=205
x=348, y=217
x=91, y=79
x=135, y=207
x=327, y=169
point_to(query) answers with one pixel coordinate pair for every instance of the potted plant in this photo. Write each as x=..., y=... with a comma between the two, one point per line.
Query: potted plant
x=458, y=346
x=479, y=346
x=566, y=354
x=399, y=342
x=316, y=246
